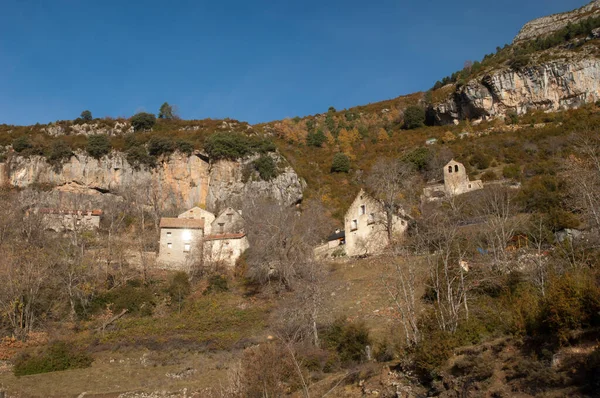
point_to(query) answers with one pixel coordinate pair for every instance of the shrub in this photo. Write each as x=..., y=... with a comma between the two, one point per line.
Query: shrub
x=480, y=160
x=340, y=164
x=512, y=117
x=137, y=156
x=235, y=146
x=348, y=339
x=158, y=146
x=135, y=297
x=488, y=176
x=98, y=145
x=414, y=117
x=511, y=171
x=86, y=116
x=143, y=121
x=419, y=157
x=58, y=356
x=59, y=151
x=21, y=143
x=432, y=352
x=316, y=139
x=179, y=287
x=185, y=147
x=216, y=284
x=266, y=167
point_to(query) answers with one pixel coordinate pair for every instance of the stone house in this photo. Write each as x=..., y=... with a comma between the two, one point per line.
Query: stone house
x=180, y=240
x=365, y=226
x=456, y=182
x=70, y=220
x=199, y=235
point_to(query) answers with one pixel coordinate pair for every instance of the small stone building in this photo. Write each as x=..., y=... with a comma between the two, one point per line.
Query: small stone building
x=60, y=220
x=365, y=226
x=456, y=182
x=180, y=238
x=197, y=235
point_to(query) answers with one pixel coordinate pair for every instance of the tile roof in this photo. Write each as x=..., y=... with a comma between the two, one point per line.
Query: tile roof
x=190, y=223
x=224, y=236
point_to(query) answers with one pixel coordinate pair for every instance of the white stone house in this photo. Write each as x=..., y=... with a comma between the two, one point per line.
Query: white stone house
x=70, y=220
x=456, y=182
x=365, y=226
x=197, y=235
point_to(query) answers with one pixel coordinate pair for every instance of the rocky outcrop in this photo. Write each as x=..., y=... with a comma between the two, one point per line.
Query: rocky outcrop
x=552, y=23
x=550, y=86
x=118, y=128
x=180, y=180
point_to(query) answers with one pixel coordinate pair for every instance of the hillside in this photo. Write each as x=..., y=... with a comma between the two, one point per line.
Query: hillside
x=490, y=293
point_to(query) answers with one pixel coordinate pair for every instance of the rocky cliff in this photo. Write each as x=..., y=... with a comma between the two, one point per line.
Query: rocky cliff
x=555, y=85
x=546, y=25
x=179, y=180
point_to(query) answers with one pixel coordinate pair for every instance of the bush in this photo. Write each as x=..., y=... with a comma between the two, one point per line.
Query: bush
x=480, y=160
x=234, y=146
x=432, y=352
x=158, y=146
x=414, y=117
x=216, y=284
x=316, y=139
x=135, y=297
x=512, y=117
x=86, y=116
x=340, y=164
x=59, y=151
x=348, y=339
x=22, y=143
x=166, y=111
x=98, y=146
x=419, y=157
x=143, y=121
x=58, y=356
x=185, y=147
x=137, y=156
x=179, y=287
x=266, y=167
x=511, y=171
x=488, y=176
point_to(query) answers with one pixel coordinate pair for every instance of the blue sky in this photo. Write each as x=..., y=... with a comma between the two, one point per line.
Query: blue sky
x=249, y=60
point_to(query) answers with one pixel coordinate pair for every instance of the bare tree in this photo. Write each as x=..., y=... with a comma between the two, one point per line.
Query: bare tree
x=393, y=184
x=498, y=208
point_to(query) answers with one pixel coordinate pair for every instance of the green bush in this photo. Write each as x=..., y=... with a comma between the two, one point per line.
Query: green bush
x=432, y=352
x=414, y=117
x=166, y=111
x=488, y=176
x=58, y=356
x=135, y=297
x=266, y=167
x=480, y=160
x=137, y=156
x=86, y=116
x=143, y=121
x=98, y=145
x=235, y=146
x=512, y=117
x=419, y=157
x=340, y=164
x=216, y=284
x=22, y=143
x=185, y=147
x=158, y=146
x=179, y=288
x=348, y=339
x=59, y=152
x=511, y=171
x=316, y=139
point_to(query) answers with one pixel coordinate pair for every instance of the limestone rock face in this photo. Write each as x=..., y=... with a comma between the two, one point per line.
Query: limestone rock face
x=549, y=86
x=549, y=24
x=180, y=180
x=119, y=128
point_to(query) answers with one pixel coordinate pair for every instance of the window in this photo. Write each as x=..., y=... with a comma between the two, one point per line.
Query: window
x=169, y=245
x=354, y=225
x=168, y=234
x=371, y=218
x=402, y=222
x=230, y=217
x=187, y=247
x=449, y=169
x=363, y=210
x=221, y=227
x=456, y=168
x=469, y=186
x=186, y=235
